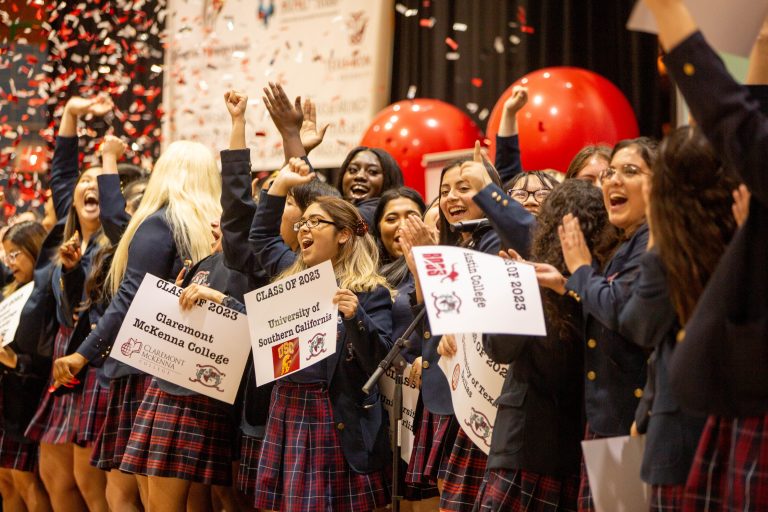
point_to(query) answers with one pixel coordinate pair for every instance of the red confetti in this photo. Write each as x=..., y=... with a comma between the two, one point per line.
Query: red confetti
x=477, y=82
x=451, y=43
x=527, y=29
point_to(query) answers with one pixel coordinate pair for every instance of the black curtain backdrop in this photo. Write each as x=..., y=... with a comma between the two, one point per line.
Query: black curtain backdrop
x=506, y=39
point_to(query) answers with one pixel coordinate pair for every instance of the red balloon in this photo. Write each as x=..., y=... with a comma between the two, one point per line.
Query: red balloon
x=409, y=129
x=567, y=109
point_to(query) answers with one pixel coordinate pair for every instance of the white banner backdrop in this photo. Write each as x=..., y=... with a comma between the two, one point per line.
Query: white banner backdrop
x=336, y=52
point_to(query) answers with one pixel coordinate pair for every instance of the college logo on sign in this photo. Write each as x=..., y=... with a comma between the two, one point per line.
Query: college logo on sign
x=436, y=267
x=130, y=347
x=446, y=303
x=285, y=357
x=356, y=24
x=316, y=345
x=209, y=376
x=480, y=426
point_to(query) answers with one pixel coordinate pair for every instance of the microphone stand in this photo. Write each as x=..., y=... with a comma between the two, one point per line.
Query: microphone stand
x=395, y=359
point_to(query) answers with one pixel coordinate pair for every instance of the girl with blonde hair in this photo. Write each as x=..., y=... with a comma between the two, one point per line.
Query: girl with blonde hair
x=172, y=224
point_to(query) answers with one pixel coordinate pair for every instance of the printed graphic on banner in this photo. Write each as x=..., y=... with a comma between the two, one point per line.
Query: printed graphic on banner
x=314, y=49
x=10, y=312
x=410, y=399
x=476, y=383
x=465, y=287
x=295, y=322
x=204, y=349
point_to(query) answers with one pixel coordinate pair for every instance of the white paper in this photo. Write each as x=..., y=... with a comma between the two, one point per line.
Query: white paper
x=613, y=466
x=10, y=312
x=293, y=322
x=410, y=399
x=476, y=383
x=729, y=25
x=466, y=290
x=204, y=349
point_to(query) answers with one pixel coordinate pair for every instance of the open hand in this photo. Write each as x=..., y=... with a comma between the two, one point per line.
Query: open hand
x=311, y=137
x=287, y=116
x=575, y=250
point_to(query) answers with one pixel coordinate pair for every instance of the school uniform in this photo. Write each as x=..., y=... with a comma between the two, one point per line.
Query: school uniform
x=153, y=251
x=23, y=386
x=508, y=163
x=719, y=364
x=615, y=368
x=649, y=320
x=535, y=452
x=325, y=445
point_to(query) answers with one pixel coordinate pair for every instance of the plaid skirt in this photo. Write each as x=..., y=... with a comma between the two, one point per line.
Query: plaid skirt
x=184, y=437
x=250, y=451
x=93, y=409
x=16, y=455
x=585, y=493
x=302, y=467
x=667, y=498
x=518, y=490
x=464, y=475
x=55, y=420
x=125, y=397
x=434, y=437
x=730, y=469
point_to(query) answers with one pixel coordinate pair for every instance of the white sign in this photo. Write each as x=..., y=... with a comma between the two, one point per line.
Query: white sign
x=476, y=383
x=729, y=25
x=410, y=399
x=613, y=467
x=203, y=349
x=293, y=322
x=464, y=288
x=336, y=52
x=10, y=312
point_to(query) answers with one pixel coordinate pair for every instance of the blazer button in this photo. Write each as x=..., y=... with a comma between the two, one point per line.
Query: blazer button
x=591, y=375
x=505, y=202
x=93, y=326
x=425, y=364
x=689, y=69
x=494, y=194
x=680, y=336
x=592, y=343
x=427, y=335
x=638, y=393
x=339, y=426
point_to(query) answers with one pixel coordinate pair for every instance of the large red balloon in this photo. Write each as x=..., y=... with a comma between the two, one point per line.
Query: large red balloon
x=409, y=129
x=567, y=109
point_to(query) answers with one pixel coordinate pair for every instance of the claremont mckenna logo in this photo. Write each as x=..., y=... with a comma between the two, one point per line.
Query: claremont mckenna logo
x=209, y=376
x=480, y=425
x=130, y=347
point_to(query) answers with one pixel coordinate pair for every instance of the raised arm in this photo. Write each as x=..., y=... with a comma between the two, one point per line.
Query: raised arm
x=114, y=218
x=288, y=118
x=507, y=141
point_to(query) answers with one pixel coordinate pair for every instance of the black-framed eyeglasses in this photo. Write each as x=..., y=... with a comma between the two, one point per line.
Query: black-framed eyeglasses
x=521, y=195
x=626, y=171
x=312, y=223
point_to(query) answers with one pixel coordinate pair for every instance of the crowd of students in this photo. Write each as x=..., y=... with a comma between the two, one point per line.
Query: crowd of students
x=650, y=257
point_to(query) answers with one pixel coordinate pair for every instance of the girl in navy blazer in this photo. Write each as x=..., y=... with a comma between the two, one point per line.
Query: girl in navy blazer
x=344, y=470
x=536, y=443
x=171, y=224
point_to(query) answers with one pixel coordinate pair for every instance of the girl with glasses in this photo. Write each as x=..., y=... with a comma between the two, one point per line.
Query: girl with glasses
x=531, y=189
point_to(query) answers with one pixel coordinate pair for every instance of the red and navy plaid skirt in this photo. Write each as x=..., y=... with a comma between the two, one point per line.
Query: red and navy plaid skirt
x=125, y=397
x=667, y=498
x=518, y=490
x=464, y=475
x=250, y=451
x=730, y=469
x=93, y=409
x=585, y=493
x=302, y=467
x=184, y=437
x=16, y=455
x=432, y=443
x=55, y=420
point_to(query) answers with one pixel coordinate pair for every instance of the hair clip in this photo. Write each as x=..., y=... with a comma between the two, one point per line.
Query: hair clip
x=361, y=227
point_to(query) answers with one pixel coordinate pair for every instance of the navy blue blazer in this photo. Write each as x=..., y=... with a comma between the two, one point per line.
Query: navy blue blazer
x=114, y=218
x=508, y=157
x=152, y=250
x=615, y=368
x=649, y=320
x=540, y=420
x=511, y=221
x=721, y=367
x=403, y=313
x=362, y=342
x=435, y=390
